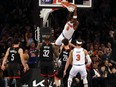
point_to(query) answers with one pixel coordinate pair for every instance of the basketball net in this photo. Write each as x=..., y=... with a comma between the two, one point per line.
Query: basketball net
x=70, y=7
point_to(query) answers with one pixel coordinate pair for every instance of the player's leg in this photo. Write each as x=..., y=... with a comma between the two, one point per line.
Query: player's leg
x=56, y=81
x=18, y=82
x=51, y=81
x=73, y=73
x=50, y=72
x=17, y=75
x=58, y=76
x=43, y=72
x=59, y=40
x=65, y=79
x=70, y=80
x=83, y=73
x=10, y=75
x=10, y=82
x=85, y=82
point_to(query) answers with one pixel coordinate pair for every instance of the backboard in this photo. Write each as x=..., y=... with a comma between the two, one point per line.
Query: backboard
x=57, y=3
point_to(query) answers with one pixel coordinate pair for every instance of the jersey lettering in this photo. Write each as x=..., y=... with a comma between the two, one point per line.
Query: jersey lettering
x=12, y=57
x=78, y=57
x=46, y=53
x=67, y=28
x=64, y=57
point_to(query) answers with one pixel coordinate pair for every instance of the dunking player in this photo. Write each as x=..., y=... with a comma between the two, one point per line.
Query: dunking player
x=63, y=56
x=69, y=28
x=14, y=55
x=77, y=59
x=47, y=50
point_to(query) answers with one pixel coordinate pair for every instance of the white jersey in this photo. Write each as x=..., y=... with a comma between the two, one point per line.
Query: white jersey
x=66, y=33
x=78, y=56
x=78, y=66
x=68, y=30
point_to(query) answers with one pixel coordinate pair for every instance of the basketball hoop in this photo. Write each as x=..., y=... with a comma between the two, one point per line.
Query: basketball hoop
x=44, y=13
x=70, y=7
x=56, y=1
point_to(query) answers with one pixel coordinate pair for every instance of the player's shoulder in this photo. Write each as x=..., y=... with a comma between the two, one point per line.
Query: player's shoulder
x=72, y=51
x=76, y=22
x=85, y=51
x=20, y=50
x=54, y=45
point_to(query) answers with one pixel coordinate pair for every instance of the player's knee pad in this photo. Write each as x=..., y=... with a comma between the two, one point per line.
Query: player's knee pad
x=85, y=80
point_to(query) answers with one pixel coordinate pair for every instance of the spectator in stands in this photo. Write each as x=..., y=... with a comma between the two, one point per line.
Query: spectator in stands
x=95, y=75
x=29, y=39
x=109, y=46
x=91, y=50
x=112, y=79
x=33, y=55
x=106, y=55
x=113, y=43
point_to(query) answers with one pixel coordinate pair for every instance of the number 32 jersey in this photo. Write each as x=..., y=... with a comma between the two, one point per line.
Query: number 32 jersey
x=46, y=52
x=78, y=56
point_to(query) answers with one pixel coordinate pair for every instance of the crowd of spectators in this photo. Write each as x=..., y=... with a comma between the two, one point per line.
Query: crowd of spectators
x=15, y=21
x=95, y=25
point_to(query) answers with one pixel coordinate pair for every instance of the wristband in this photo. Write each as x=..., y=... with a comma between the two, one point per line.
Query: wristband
x=74, y=17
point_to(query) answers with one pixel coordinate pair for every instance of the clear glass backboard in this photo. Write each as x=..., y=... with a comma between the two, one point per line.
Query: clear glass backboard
x=57, y=3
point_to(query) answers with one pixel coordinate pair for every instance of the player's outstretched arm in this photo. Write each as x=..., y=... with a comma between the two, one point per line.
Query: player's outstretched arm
x=75, y=21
